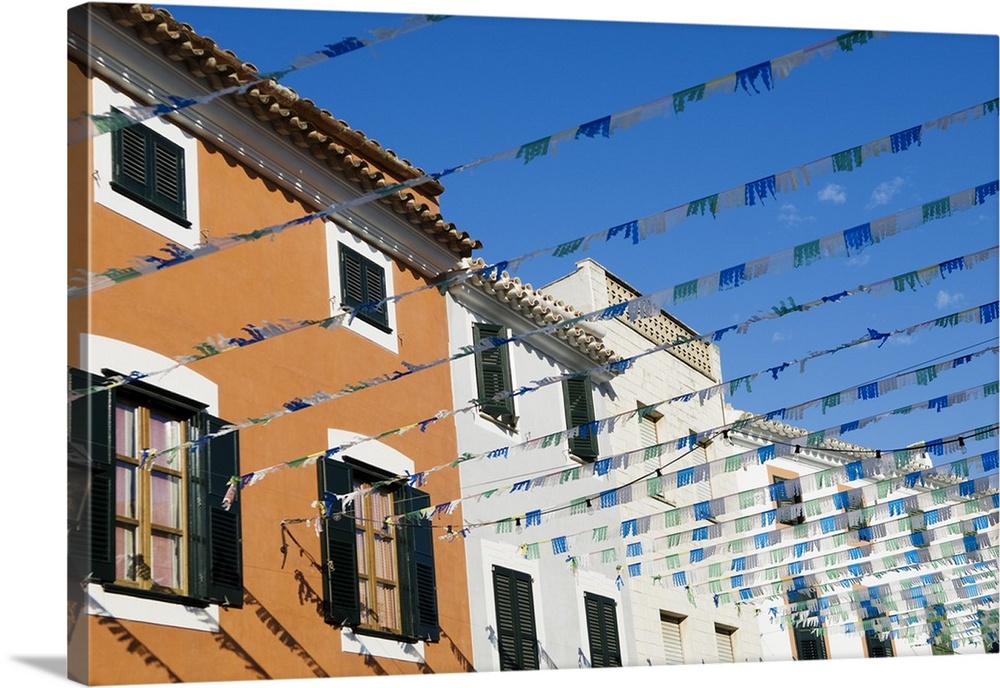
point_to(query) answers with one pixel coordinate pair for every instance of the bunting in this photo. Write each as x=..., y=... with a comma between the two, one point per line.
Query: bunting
x=788, y=180
x=91, y=125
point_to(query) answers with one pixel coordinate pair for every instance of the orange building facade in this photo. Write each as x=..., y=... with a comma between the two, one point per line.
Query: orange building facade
x=165, y=583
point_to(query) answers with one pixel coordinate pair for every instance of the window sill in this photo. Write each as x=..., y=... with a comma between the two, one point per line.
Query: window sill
x=145, y=202
x=170, y=597
x=508, y=427
x=383, y=645
x=123, y=603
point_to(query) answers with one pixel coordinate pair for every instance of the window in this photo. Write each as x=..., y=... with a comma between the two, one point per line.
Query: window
x=808, y=645
x=146, y=521
x=940, y=630
x=648, y=419
x=876, y=645
x=724, y=643
x=517, y=642
x=602, y=631
x=579, y=403
x=377, y=578
x=787, y=494
x=493, y=374
x=149, y=168
x=362, y=283
x=670, y=629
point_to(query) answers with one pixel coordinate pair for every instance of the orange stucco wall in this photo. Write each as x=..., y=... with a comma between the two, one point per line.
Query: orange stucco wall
x=280, y=632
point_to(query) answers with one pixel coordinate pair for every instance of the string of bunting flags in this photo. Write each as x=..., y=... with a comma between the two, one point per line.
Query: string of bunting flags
x=911, y=599
x=743, y=195
x=961, y=549
x=971, y=581
x=846, y=509
x=701, y=567
x=983, y=314
x=812, y=584
x=634, y=308
x=800, y=256
x=935, y=595
x=958, y=618
x=602, y=466
x=699, y=473
x=91, y=125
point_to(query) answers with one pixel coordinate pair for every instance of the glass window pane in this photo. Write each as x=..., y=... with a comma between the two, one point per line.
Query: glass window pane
x=363, y=597
x=165, y=497
x=385, y=565
x=166, y=560
x=387, y=609
x=125, y=487
x=125, y=429
x=381, y=508
x=125, y=553
x=164, y=433
x=359, y=538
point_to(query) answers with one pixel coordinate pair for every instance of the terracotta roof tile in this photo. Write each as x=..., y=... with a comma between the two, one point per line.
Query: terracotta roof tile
x=345, y=151
x=540, y=308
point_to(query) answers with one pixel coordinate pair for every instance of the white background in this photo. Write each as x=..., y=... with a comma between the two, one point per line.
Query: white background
x=34, y=282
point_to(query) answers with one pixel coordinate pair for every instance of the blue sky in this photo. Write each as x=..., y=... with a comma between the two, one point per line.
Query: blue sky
x=471, y=87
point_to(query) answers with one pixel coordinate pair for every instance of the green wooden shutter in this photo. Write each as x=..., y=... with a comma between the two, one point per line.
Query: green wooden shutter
x=341, y=603
x=149, y=169
x=352, y=285
x=579, y=411
x=602, y=631
x=375, y=293
x=224, y=548
x=167, y=164
x=493, y=372
x=808, y=645
x=129, y=153
x=92, y=435
x=417, y=582
x=517, y=641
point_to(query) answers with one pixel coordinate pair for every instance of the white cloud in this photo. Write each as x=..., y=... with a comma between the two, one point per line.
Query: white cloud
x=834, y=193
x=858, y=261
x=778, y=337
x=885, y=191
x=791, y=215
x=946, y=300
x=902, y=339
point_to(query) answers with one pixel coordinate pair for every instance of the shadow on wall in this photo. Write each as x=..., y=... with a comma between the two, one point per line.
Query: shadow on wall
x=458, y=654
x=283, y=636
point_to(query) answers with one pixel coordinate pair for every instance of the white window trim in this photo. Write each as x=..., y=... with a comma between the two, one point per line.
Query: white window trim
x=335, y=236
x=104, y=98
x=103, y=352
x=99, y=352
x=100, y=602
x=385, y=648
x=384, y=458
x=496, y=554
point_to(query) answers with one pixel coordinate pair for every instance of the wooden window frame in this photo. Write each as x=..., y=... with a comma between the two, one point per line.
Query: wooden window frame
x=142, y=521
x=368, y=573
x=211, y=567
x=413, y=552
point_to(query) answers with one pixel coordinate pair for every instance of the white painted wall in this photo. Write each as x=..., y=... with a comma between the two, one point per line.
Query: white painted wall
x=557, y=591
